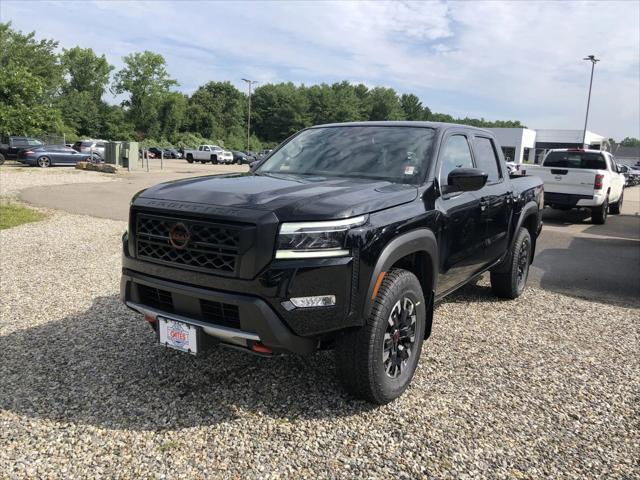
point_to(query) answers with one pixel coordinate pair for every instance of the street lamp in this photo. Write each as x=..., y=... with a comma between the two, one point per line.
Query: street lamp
x=249, y=82
x=593, y=60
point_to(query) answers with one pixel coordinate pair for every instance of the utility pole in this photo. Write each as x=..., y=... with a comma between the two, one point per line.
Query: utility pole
x=593, y=60
x=250, y=83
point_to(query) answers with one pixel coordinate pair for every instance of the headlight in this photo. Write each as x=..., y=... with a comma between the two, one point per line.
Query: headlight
x=315, y=239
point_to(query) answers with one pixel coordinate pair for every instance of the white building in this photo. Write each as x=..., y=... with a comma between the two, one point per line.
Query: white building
x=524, y=145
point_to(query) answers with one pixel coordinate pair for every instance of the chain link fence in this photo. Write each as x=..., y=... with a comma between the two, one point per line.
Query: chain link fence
x=53, y=139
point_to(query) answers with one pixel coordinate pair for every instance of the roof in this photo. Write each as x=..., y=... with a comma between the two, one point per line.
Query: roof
x=627, y=152
x=404, y=123
x=577, y=150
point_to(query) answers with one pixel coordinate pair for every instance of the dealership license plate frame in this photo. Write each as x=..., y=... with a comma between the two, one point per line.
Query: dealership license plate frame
x=193, y=332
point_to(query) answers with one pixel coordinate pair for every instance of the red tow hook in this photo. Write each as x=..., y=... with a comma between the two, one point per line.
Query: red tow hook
x=260, y=348
x=150, y=318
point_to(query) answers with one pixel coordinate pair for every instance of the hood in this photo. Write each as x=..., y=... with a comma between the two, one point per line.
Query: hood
x=289, y=197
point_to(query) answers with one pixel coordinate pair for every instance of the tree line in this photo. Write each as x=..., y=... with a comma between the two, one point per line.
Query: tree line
x=47, y=91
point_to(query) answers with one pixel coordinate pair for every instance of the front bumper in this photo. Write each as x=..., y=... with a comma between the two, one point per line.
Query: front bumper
x=250, y=320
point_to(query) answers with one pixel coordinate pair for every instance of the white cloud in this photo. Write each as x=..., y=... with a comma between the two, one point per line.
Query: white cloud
x=517, y=60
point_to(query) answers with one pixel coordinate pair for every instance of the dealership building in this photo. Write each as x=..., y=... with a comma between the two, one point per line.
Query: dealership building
x=524, y=145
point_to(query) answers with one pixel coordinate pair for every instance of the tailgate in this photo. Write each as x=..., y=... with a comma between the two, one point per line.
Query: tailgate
x=572, y=181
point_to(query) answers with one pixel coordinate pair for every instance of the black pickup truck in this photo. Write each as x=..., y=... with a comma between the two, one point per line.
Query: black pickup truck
x=343, y=238
x=10, y=150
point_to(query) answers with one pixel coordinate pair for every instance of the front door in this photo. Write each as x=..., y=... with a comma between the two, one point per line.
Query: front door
x=461, y=243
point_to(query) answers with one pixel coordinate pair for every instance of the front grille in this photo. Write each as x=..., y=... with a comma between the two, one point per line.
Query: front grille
x=216, y=313
x=212, y=247
x=220, y=313
x=154, y=297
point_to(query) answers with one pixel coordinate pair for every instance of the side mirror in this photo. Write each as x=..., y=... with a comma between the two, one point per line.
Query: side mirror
x=466, y=180
x=253, y=165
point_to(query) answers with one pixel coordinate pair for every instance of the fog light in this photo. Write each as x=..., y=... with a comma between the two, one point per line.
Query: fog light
x=319, y=301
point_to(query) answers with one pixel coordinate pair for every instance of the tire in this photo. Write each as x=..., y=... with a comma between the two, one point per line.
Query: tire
x=615, y=208
x=360, y=354
x=214, y=159
x=190, y=158
x=599, y=214
x=44, y=161
x=1, y=159
x=511, y=283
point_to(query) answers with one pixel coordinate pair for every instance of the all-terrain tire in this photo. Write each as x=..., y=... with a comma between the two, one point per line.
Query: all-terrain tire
x=615, y=208
x=190, y=158
x=599, y=214
x=361, y=362
x=511, y=283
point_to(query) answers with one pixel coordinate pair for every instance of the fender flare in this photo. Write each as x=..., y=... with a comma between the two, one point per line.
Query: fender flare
x=526, y=211
x=420, y=240
x=530, y=208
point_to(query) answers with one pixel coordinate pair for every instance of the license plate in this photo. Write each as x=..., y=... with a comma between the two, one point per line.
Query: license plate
x=178, y=335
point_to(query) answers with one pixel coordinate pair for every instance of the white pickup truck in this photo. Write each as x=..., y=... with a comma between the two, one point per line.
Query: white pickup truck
x=209, y=153
x=577, y=178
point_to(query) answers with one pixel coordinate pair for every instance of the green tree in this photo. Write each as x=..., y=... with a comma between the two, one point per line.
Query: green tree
x=146, y=80
x=172, y=114
x=630, y=142
x=114, y=124
x=217, y=110
x=347, y=104
x=85, y=72
x=412, y=107
x=30, y=77
x=280, y=110
x=322, y=104
x=385, y=104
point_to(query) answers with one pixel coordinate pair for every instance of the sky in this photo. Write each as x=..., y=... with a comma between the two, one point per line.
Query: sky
x=498, y=60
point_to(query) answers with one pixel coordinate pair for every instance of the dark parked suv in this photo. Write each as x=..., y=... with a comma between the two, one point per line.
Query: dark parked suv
x=343, y=238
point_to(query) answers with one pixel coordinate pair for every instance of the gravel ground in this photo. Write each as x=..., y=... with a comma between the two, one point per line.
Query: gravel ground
x=545, y=386
x=14, y=178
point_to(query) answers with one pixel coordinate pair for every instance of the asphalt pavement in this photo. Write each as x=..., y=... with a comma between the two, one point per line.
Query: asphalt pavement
x=574, y=257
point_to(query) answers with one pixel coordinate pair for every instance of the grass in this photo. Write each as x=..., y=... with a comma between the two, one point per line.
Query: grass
x=12, y=215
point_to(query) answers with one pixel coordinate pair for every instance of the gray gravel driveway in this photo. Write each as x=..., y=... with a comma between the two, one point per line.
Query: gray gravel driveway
x=545, y=386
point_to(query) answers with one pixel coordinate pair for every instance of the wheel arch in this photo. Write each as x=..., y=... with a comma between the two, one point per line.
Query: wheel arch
x=529, y=218
x=416, y=251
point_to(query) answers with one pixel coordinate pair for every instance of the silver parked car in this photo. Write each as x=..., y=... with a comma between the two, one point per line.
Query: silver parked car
x=86, y=146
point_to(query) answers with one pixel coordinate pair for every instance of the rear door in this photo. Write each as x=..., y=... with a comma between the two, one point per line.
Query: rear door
x=617, y=179
x=17, y=144
x=69, y=156
x=56, y=154
x=495, y=198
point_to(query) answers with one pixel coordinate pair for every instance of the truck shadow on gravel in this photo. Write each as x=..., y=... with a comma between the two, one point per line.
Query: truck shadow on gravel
x=102, y=367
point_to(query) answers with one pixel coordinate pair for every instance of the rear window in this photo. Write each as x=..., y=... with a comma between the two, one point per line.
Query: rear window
x=586, y=160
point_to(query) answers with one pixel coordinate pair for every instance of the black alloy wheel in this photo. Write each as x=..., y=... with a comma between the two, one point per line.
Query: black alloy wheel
x=399, y=338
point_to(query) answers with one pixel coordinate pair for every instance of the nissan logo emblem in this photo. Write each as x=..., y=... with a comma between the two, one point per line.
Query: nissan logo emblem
x=179, y=236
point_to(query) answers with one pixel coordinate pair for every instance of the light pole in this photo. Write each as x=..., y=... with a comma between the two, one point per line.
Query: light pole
x=249, y=82
x=593, y=60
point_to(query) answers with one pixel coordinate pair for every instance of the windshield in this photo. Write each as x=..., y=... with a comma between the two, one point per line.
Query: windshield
x=587, y=160
x=396, y=154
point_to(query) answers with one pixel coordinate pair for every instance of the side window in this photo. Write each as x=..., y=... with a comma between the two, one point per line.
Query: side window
x=456, y=154
x=486, y=158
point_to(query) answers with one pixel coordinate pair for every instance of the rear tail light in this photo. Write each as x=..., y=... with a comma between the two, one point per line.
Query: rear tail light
x=598, y=183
